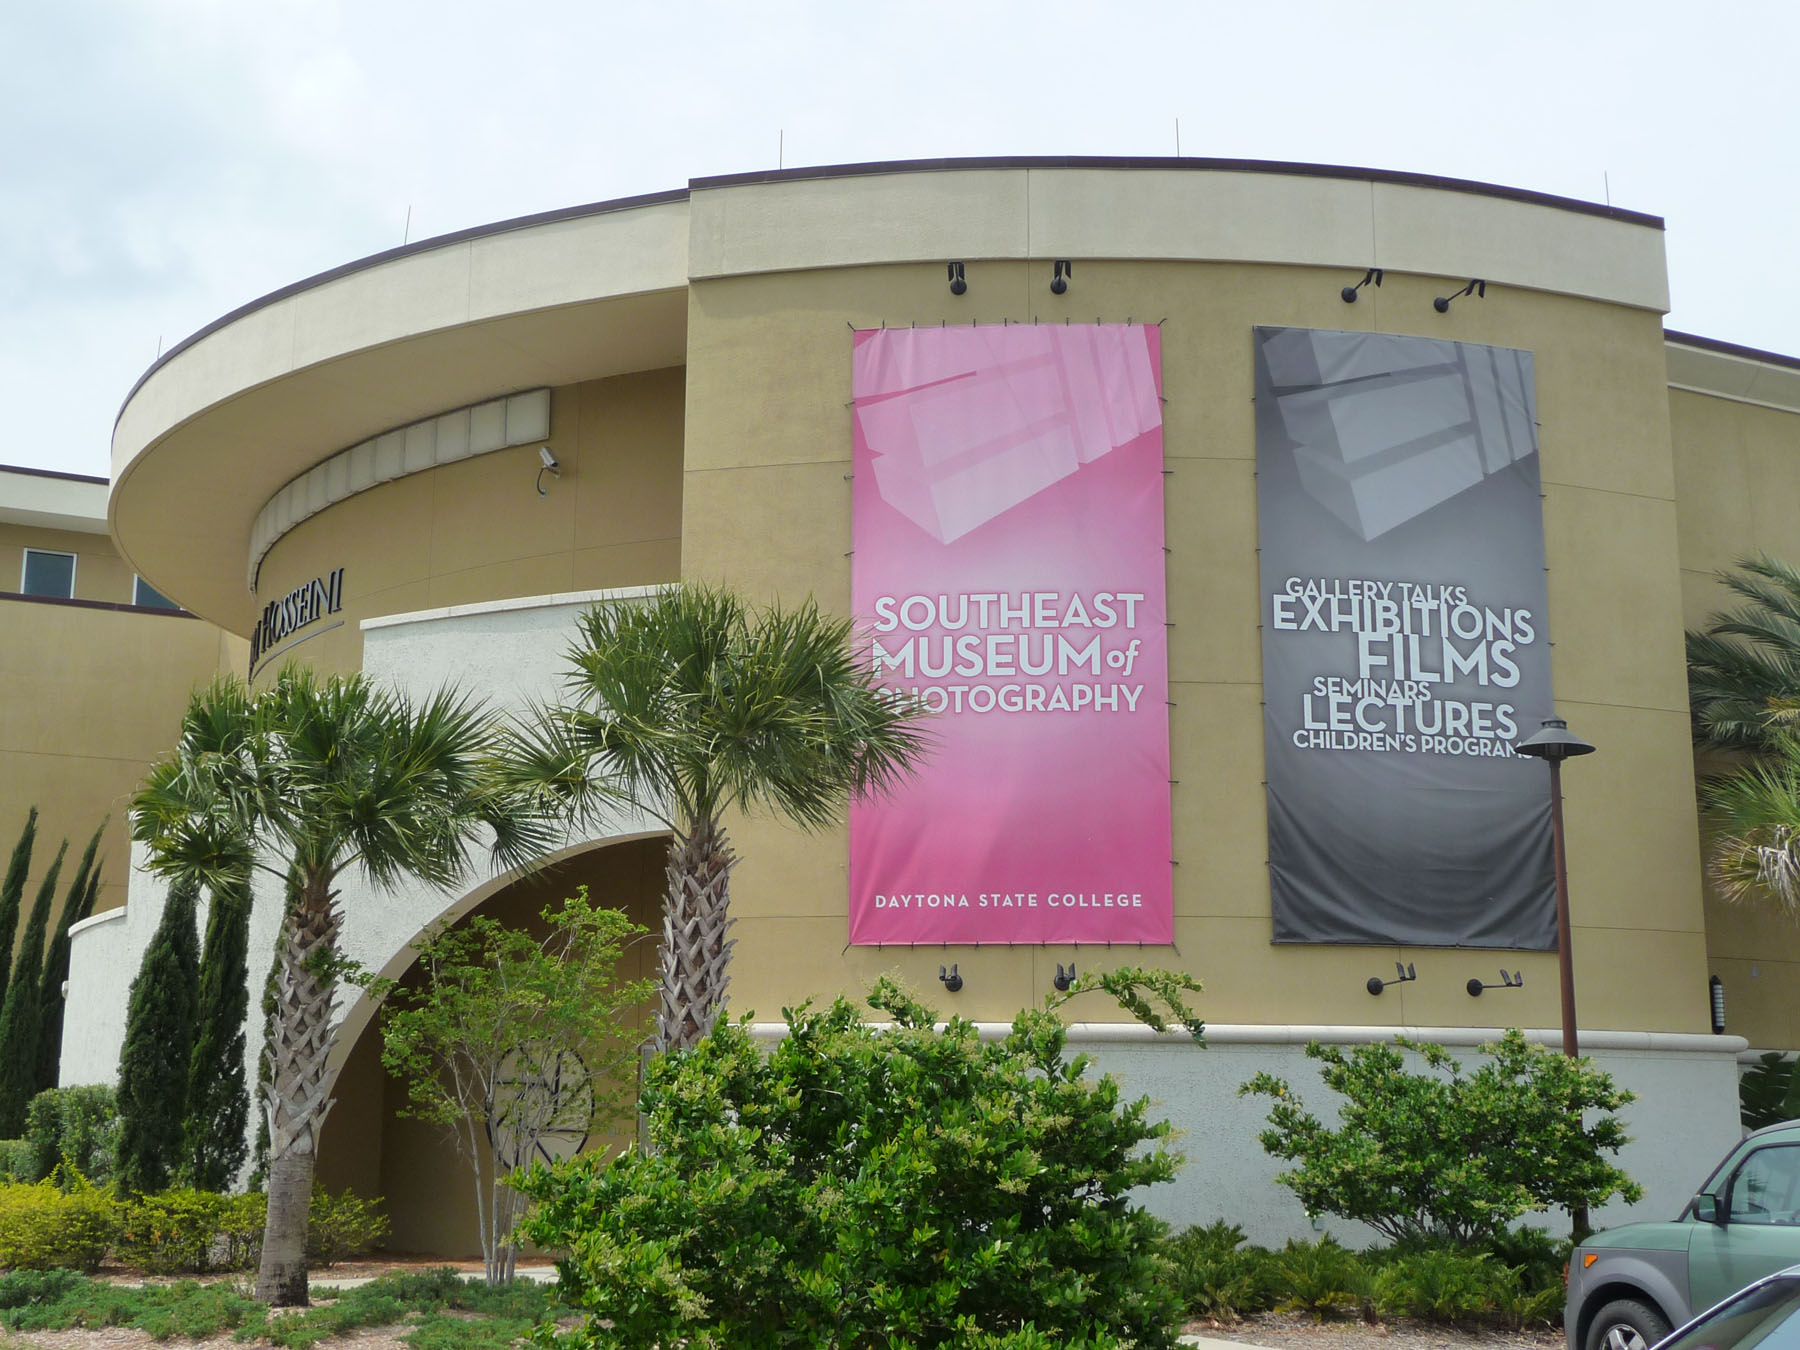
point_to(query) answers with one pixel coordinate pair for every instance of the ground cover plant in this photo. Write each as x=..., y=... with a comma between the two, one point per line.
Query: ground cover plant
x=441, y=1309
x=1513, y=1280
x=1440, y=1157
x=910, y=1185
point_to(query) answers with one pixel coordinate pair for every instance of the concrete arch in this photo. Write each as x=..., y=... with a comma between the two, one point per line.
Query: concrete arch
x=367, y=1145
x=357, y=1016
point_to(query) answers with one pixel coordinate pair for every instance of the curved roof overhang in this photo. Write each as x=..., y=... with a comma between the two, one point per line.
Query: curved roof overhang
x=221, y=422
x=226, y=419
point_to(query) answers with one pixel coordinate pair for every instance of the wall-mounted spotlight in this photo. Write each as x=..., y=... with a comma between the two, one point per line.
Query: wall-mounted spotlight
x=1476, y=288
x=1512, y=981
x=1402, y=973
x=952, y=981
x=547, y=465
x=1064, y=978
x=1715, y=990
x=1372, y=277
x=959, y=284
x=1059, y=280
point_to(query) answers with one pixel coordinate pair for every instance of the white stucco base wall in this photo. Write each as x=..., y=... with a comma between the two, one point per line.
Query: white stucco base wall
x=1684, y=1120
x=510, y=653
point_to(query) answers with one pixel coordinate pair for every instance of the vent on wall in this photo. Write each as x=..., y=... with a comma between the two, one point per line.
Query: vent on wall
x=518, y=419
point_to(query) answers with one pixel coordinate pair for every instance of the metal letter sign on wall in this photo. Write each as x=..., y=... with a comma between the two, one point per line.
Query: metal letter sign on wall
x=1008, y=572
x=300, y=607
x=1404, y=640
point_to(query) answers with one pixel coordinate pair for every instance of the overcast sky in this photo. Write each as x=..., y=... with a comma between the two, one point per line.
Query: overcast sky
x=164, y=161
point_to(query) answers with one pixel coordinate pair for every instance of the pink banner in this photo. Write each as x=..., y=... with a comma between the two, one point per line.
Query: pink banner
x=1008, y=571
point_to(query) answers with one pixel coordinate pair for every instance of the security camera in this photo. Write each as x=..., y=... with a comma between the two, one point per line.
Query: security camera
x=548, y=460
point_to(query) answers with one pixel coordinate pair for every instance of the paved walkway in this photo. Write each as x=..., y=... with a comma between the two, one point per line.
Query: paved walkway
x=537, y=1273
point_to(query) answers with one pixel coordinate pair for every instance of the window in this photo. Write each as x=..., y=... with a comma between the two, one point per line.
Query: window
x=49, y=574
x=146, y=596
x=1766, y=1188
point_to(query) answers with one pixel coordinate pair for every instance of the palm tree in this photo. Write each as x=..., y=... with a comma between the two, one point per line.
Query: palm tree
x=689, y=705
x=1747, y=659
x=1753, y=819
x=307, y=780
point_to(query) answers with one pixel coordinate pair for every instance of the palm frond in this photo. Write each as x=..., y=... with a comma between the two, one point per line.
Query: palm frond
x=321, y=773
x=1746, y=657
x=690, y=703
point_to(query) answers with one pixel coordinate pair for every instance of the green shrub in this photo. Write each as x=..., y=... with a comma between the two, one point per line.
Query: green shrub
x=18, y=1161
x=1435, y=1285
x=911, y=1185
x=241, y=1222
x=191, y=1232
x=1216, y=1276
x=170, y=1232
x=1540, y=1257
x=1438, y=1155
x=338, y=1226
x=1322, y=1278
x=77, y=1123
x=42, y=1227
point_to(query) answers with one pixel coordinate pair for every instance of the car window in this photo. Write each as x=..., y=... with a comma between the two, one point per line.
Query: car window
x=1762, y=1317
x=1766, y=1187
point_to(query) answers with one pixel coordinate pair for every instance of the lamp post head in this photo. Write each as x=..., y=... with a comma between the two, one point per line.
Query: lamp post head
x=1554, y=743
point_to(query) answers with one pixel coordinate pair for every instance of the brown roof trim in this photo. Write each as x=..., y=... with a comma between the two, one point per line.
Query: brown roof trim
x=95, y=604
x=51, y=473
x=389, y=255
x=1268, y=166
x=1730, y=349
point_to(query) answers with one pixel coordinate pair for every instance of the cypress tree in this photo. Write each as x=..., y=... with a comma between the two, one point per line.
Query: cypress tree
x=218, y=1103
x=19, y=1014
x=12, y=891
x=56, y=964
x=159, y=1041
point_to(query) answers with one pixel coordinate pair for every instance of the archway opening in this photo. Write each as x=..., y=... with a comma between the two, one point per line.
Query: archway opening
x=425, y=1185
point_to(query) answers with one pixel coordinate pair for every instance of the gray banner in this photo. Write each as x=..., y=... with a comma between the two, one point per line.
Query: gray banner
x=1404, y=641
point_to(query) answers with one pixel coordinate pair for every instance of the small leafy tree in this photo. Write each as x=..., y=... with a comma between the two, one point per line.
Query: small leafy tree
x=1442, y=1157
x=159, y=1038
x=511, y=1040
x=218, y=1102
x=78, y=904
x=19, y=1024
x=871, y=1187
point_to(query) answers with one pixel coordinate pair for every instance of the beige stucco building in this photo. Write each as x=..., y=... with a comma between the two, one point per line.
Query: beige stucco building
x=348, y=473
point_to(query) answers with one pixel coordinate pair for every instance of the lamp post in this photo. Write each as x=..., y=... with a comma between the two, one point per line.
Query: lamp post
x=1553, y=745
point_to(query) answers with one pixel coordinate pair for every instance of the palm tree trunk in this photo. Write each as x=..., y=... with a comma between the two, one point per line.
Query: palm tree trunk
x=299, y=1045
x=696, y=952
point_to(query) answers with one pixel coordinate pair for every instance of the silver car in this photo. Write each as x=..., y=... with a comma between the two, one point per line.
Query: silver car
x=1766, y=1315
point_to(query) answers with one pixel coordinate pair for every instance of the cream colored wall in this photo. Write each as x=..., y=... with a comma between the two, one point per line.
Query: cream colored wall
x=766, y=508
x=92, y=697
x=478, y=530
x=100, y=574
x=1737, y=474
